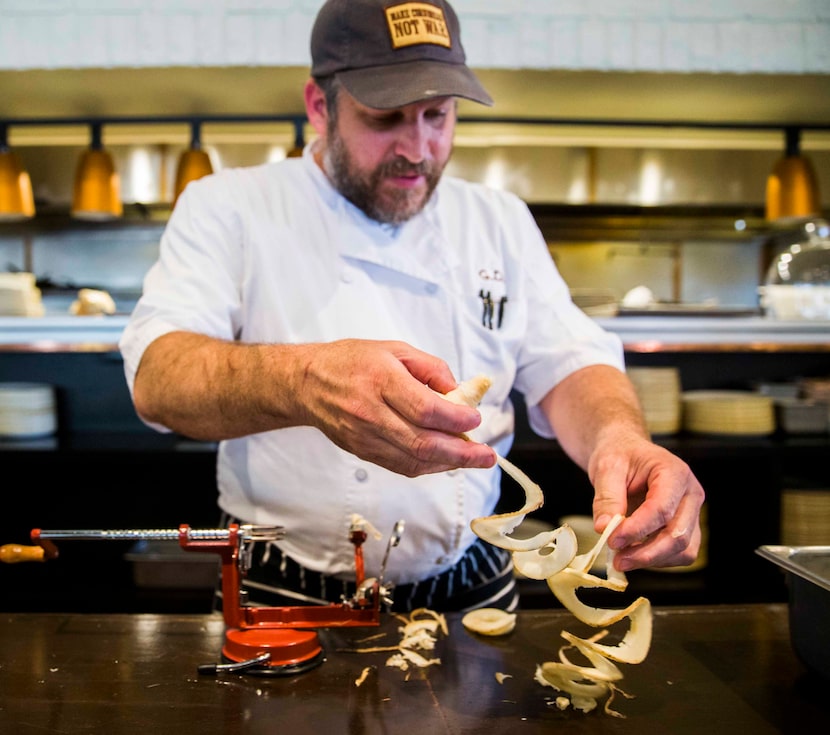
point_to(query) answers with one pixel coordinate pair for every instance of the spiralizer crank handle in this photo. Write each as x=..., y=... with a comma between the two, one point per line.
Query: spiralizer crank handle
x=13, y=553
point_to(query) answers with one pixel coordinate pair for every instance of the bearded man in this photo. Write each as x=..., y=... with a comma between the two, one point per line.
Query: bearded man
x=307, y=315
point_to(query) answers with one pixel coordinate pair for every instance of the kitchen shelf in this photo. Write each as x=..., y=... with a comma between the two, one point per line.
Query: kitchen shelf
x=61, y=333
x=558, y=222
x=717, y=333
x=56, y=218
x=95, y=442
x=604, y=222
x=641, y=334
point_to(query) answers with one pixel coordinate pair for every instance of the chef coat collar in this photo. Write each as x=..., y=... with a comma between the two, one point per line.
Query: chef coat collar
x=417, y=247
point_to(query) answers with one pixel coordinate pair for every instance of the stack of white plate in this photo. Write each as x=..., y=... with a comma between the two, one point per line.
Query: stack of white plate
x=659, y=391
x=805, y=517
x=27, y=410
x=19, y=296
x=737, y=413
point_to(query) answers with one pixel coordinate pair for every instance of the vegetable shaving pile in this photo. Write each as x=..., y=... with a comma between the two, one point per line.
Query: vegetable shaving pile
x=419, y=632
x=552, y=556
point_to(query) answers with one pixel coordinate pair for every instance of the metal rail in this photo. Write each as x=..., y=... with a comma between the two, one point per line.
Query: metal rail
x=246, y=533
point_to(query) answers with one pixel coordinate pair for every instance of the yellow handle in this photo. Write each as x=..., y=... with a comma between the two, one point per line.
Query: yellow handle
x=12, y=553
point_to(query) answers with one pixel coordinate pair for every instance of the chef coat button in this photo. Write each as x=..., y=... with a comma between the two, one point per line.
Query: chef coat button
x=346, y=277
x=431, y=288
x=361, y=475
x=452, y=473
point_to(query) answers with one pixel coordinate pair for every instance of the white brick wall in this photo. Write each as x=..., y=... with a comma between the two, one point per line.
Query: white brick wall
x=775, y=36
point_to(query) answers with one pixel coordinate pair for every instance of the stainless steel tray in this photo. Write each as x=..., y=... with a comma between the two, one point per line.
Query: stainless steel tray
x=808, y=581
x=808, y=562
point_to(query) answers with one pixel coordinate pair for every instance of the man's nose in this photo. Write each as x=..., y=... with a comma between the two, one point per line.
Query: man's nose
x=413, y=142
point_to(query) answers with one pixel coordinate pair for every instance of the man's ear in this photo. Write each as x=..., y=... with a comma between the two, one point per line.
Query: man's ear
x=315, y=107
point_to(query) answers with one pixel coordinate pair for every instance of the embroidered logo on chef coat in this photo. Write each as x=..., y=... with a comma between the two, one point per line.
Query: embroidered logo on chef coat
x=411, y=23
x=493, y=297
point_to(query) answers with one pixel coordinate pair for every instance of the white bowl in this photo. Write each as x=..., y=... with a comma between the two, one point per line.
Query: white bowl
x=798, y=301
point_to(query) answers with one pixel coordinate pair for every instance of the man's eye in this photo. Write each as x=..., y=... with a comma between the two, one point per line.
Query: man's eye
x=385, y=122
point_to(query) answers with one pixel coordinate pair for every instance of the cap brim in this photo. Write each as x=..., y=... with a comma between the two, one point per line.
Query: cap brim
x=397, y=85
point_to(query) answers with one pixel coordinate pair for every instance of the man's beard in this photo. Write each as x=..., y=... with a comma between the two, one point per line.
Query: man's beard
x=394, y=206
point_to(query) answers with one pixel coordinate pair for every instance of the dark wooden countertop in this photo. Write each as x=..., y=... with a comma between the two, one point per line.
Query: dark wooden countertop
x=710, y=670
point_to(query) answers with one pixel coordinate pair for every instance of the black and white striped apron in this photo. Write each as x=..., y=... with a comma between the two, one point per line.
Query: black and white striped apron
x=483, y=577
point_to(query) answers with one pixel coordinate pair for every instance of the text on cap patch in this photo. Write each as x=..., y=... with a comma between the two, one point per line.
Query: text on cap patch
x=411, y=23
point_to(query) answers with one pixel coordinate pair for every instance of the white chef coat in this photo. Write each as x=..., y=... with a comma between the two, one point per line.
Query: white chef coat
x=274, y=253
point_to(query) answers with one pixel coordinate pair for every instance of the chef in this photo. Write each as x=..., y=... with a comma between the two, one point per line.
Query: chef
x=308, y=315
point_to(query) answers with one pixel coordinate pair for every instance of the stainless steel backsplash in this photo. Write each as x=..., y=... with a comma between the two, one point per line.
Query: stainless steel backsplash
x=687, y=265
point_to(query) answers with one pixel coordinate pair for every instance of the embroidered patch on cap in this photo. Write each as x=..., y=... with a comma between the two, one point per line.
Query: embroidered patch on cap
x=411, y=23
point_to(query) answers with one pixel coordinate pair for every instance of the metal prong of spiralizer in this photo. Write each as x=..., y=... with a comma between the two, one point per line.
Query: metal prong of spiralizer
x=394, y=540
x=261, y=533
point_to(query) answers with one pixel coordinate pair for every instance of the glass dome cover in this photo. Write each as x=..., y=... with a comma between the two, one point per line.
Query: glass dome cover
x=806, y=261
x=798, y=280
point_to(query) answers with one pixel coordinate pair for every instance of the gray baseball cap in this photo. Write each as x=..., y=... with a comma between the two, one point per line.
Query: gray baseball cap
x=389, y=53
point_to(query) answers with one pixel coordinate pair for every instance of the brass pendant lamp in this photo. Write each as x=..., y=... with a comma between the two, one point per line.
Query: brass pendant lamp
x=792, y=187
x=17, y=202
x=194, y=163
x=97, y=190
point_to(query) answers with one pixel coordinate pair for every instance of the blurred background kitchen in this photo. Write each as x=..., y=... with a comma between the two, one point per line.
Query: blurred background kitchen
x=676, y=156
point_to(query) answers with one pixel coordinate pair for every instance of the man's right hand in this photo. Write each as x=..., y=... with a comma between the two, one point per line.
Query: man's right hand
x=379, y=401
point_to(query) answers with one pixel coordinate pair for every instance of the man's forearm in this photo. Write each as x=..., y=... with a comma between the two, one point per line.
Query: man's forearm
x=378, y=400
x=212, y=389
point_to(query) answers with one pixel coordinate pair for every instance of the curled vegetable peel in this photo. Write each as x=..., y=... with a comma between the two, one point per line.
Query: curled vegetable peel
x=548, y=560
x=586, y=684
x=496, y=528
x=552, y=556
